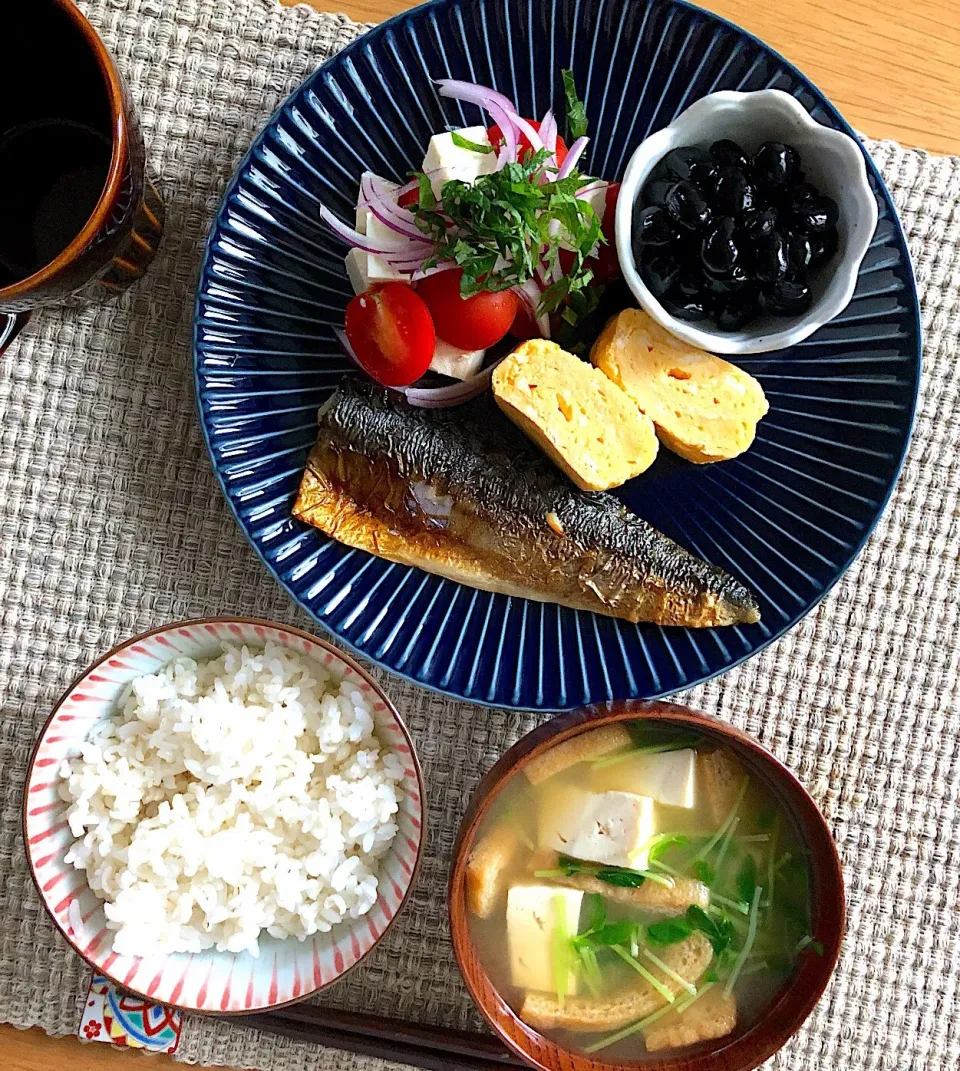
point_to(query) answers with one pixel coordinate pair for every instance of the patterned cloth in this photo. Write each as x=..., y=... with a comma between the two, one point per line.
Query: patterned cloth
x=111, y=522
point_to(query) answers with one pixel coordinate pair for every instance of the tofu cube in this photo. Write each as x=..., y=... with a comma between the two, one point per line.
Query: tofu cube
x=450, y=361
x=610, y=828
x=445, y=161
x=531, y=918
x=364, y=269
x=668, y=778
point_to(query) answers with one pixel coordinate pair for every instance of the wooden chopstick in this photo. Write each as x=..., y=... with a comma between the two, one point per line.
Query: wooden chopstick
x=417, y=1044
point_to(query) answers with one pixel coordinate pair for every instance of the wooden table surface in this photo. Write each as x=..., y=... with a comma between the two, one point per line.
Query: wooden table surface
x=891, y=66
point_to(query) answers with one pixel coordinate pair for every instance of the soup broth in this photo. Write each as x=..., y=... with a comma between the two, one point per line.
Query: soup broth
x=636, y=890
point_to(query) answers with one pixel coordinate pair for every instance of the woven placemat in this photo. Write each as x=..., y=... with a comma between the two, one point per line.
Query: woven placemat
x=111, y=522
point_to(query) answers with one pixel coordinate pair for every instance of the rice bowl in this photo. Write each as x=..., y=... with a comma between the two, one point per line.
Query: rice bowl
x=315, y=769
x=242, y=793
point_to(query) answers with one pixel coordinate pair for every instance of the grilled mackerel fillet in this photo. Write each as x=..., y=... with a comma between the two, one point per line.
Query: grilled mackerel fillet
x=462, y=493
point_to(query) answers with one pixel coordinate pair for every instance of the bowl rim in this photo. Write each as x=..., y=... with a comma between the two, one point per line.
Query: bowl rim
x=302, y=634
x=710, y=338
x=785, y=1014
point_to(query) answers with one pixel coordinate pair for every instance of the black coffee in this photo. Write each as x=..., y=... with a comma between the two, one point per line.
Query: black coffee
x=52, y=173
x=55, y=136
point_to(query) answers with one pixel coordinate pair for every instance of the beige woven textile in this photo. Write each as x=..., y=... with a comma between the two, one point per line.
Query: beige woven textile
x=111, y=522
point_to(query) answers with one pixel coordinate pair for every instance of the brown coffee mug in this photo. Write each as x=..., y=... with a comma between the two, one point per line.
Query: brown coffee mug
x=79, y=220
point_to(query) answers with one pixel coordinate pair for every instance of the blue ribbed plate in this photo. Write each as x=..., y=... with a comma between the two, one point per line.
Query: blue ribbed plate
x=787, y=518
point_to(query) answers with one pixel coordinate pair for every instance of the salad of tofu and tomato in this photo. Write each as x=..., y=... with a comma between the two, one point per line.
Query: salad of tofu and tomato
x=498, y=236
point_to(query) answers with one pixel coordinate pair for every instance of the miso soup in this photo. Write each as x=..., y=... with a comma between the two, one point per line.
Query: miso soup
x=636, y=889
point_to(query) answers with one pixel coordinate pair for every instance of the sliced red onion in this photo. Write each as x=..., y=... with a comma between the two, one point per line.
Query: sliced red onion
x=474, y=93
x=501, y=109
x=525, y=128
x=511, y=139
x=353, y=237
x=548, y=131
x=381, y=200
x=388, y=220
x=454, y=394
x=573, y=156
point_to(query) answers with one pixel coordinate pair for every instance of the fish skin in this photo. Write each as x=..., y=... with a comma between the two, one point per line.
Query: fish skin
x=462, y=493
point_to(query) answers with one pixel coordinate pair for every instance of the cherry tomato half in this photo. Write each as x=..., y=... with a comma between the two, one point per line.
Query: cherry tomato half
x=472, y=323
x=392, y=334
x=411, y=197
x=495, y=134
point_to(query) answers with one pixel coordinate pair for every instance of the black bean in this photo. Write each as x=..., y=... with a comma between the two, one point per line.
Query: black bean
x=760, y=223
x=655, y=193
x=685, y=308
x=788, y=297
x=727, y=153
x=720, y=252
x=775, y=164
x=652, y=225
x=799, y=252
x=659, y=272
x=770, y=258
x=687, y=206
x=823, y=247
x=732, y=193
x=818, y=214
x=686, y=164
x=735, y=314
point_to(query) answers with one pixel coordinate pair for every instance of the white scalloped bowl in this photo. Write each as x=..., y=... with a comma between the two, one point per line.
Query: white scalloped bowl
x=832, y=161
x=286, y=970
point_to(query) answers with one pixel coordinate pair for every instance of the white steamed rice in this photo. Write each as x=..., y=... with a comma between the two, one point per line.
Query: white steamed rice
x=242, y=794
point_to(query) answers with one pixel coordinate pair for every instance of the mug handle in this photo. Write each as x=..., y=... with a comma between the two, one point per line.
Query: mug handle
x=10, y=326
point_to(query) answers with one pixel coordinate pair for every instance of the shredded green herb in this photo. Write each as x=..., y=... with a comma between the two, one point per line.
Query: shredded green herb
x=464, y=143
x=507, y=224
x=576, y=113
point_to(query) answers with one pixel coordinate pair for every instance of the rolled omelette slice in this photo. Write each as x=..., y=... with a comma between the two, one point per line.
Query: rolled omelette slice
x=704, y=408
x=584, y=423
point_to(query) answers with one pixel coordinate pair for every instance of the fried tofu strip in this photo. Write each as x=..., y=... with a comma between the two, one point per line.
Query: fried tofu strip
x=487, y=868
x=712, y=1015
x=650, y=896
x=688, y=958
x=582, y=748
x=720, y=778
